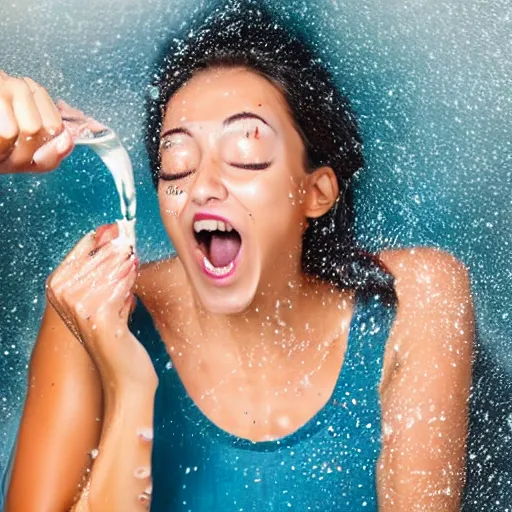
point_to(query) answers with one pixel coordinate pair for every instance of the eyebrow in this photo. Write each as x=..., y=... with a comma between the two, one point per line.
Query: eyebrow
x=228, y=121
x=244, y=115
x=173, y=131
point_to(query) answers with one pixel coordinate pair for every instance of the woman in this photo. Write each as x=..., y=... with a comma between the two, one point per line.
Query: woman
x=280, y=366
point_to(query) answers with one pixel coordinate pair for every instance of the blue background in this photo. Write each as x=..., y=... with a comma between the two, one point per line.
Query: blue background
x=431, y=83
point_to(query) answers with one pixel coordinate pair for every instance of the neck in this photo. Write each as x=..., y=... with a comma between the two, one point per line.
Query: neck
x=280, y=324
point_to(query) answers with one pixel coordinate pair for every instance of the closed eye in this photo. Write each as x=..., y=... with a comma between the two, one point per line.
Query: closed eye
x=173, y=177
x=252, y=167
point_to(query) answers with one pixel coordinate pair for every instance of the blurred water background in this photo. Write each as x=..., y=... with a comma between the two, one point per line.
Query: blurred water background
x=431, y=83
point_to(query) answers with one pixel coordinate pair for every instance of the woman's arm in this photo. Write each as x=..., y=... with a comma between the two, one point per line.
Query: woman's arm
x=120, y=479
x=425, y=405
x=91, y=290
x=61, y=423
x=72, y=386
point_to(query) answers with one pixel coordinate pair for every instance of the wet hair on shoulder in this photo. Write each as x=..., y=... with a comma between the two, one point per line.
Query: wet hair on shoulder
x=245, y=33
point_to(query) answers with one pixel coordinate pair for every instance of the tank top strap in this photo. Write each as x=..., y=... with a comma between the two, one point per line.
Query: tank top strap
x=368, y=334
x=143, y=328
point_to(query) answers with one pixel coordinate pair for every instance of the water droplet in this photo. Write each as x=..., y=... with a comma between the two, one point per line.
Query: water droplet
x=142, y=472
x=154, y=92
x=145, y=434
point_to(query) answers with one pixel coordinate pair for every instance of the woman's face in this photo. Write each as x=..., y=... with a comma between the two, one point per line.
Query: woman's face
x=232, y=186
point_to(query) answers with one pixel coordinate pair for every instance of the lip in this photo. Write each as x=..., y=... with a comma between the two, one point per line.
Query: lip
x=199, y=256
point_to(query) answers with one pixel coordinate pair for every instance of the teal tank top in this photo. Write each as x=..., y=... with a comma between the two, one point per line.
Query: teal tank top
x=328, y=465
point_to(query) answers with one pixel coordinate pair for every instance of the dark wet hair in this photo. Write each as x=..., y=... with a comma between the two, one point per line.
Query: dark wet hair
x=243, y=33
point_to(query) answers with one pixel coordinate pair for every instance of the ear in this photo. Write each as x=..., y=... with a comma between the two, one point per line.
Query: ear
x=321, y=192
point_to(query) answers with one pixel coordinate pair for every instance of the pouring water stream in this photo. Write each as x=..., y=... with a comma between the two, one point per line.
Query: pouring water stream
x=106, y=144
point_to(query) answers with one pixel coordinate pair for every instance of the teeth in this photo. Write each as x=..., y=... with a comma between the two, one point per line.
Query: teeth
x=218, y=271
x=211, y=225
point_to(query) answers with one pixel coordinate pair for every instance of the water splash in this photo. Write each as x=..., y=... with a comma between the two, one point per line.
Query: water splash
x=105, y=142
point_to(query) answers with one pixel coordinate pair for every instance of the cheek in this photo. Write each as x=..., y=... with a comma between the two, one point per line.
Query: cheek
x=171, y=206
x=166, y=211
x=172, y=200
x=273, y=203
x=264, y=193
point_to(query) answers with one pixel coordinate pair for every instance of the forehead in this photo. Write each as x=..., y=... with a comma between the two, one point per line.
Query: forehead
x=215, y=94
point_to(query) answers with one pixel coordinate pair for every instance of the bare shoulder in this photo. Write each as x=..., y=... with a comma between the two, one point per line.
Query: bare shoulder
x=433, y=288
x=421, y=268
x=427, y=275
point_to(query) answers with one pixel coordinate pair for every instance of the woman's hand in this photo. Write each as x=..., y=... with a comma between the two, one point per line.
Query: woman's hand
x=92, y=292
x=32, y=134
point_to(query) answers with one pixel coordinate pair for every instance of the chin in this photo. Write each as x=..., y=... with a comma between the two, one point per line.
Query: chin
x=227, y=305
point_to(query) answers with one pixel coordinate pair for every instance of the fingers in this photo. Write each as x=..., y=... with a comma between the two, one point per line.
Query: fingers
x=121, y=264
x=100, y=270
x=87, y=247
x=95, y=268
x=69, y=111
x=99, y=291
x=94, y=258
x=29, y=122
x=107, y=303
x=122, y=294
x=95, y=279
x=50, y=116
x=8, y=128
x=83, y=247
x=32, y=134
x=25, y=108
x=72, y=265
x=50, y=155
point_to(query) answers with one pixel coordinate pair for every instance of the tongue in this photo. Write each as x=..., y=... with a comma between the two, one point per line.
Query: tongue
x=223, y=249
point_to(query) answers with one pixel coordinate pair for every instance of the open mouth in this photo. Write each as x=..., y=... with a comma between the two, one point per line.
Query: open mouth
x=220, y=244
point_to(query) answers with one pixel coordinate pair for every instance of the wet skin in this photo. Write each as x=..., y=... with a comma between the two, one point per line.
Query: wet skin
x=268, y=207
x=259, y=351
x=245, y=363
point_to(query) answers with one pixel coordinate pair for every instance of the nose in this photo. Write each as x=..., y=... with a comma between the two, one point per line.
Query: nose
x=208, y=186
